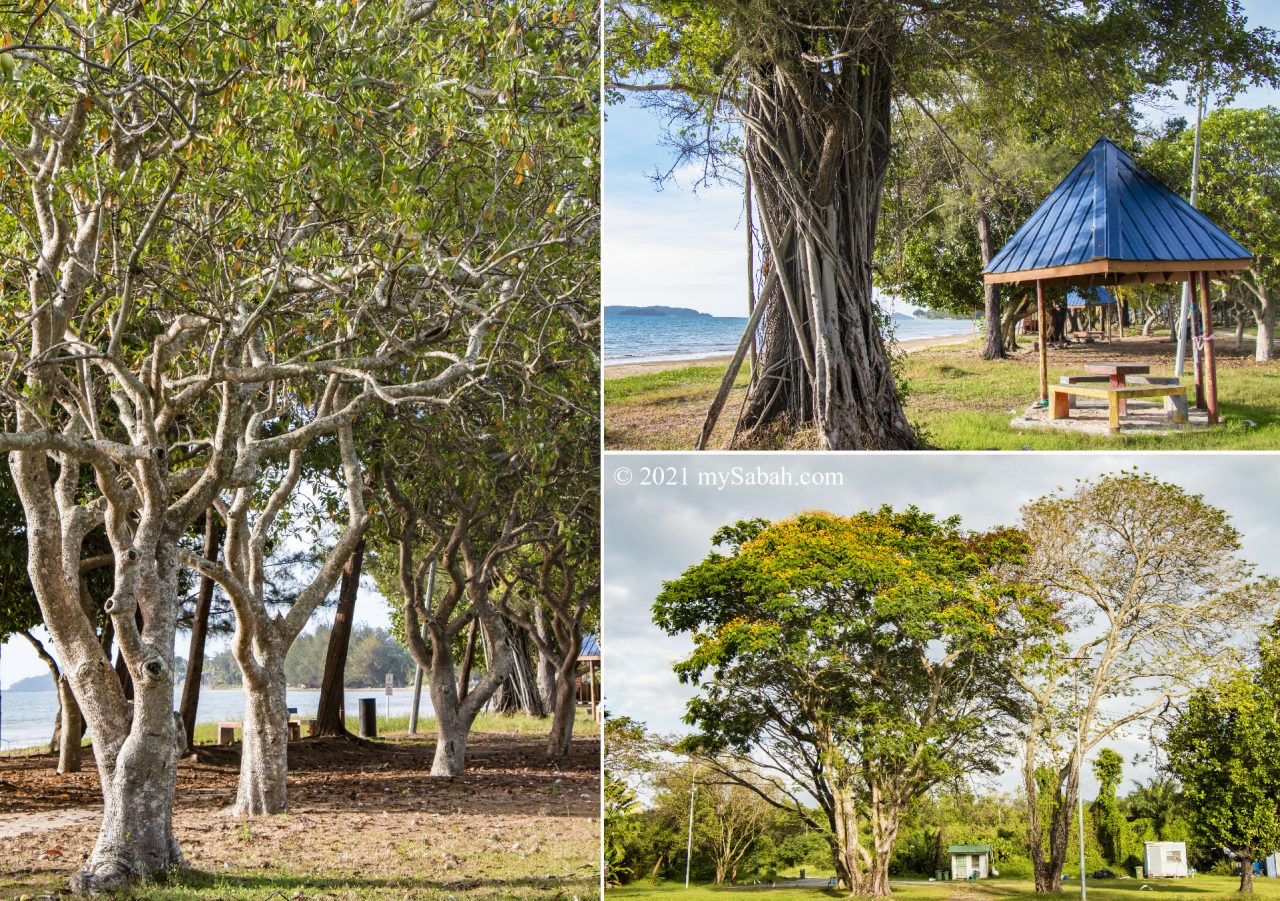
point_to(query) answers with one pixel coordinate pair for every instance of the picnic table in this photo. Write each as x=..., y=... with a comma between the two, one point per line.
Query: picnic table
x=1116, y=374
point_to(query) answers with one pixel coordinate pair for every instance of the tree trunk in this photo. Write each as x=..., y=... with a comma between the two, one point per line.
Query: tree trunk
x=817, y=148
x=454, y=714
x=546, y=663
x=199, y=632
x=453, y=720
x=1239, y=314
x=519, y=692
x=566, y=706
x=139, y=774
x=468, y=659
x=993, y=348
x=264, y=753
x=69, y=728
x=1246, y=876
x=1266, y=319
x=136, y=836
x=328, y=720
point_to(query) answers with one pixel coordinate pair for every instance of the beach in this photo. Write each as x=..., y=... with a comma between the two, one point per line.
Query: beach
x=623, y=368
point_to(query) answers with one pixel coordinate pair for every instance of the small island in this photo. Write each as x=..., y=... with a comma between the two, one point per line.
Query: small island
x=618, y=310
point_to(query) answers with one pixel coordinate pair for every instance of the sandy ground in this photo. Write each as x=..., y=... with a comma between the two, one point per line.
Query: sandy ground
x=357, y=811
x=622, y=370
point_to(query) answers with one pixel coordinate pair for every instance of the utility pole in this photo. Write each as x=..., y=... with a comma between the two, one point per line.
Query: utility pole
x=1079, y=775
x=688, y=850
x=1184, y=312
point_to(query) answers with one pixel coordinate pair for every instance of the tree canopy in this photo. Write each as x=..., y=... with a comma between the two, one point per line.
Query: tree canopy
x=864, y=657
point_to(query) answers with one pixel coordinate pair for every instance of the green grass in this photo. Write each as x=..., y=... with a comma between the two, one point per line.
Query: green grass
x=256, y=885
x=513, y=724
x=1201, y=888
x=956, y=400
x=962, y=402
x=666, y=384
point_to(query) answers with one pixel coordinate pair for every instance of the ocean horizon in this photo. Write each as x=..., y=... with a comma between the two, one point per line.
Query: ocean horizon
x=637, y=338
x=27, y=717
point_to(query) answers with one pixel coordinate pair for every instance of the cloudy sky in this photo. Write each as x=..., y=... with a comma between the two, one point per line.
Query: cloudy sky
x=679, y=246
x=653, y=532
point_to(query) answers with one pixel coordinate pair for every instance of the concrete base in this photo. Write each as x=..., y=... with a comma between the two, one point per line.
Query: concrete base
x=1089, y=417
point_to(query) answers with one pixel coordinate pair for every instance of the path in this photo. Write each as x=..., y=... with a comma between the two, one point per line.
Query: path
x=13, y=825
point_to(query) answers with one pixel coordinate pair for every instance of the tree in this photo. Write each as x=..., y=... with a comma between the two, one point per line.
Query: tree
x=1151, y=588
x=328, y=722
x=263, y=637
x=857, y=660
x=803, y=93
x=1222, y=749
x=1115, y=837
x=221, y=249
x=1239, y=156
x=562, y=576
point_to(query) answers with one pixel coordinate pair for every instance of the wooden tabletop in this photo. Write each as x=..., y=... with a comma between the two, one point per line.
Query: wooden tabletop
x=1105, y=368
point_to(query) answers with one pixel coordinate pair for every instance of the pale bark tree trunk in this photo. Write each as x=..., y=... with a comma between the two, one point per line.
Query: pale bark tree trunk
x=264, y=753
x=136, y=756
x=262, y=639
x=1246, y=876
x=993, y=347
x=333, y=684
x=817, y=148
x=455, y=715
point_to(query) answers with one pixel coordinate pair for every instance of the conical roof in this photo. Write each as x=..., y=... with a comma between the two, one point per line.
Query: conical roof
x=1111, y=222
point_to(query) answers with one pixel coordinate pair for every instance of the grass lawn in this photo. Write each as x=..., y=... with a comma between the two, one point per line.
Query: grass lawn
x=959, y=401
x=1201, y=888
x=502, y=724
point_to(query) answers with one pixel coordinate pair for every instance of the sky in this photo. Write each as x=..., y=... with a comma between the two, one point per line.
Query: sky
x=678, y=246
x=653, y=533
x=18, y=659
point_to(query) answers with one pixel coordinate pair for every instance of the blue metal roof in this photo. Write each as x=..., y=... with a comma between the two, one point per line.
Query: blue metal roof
x=1109, y=209
x=590, y=646
x=1098, y=296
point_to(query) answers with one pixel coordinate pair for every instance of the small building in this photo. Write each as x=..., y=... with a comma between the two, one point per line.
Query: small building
x=1165, y=859
x=970, y=861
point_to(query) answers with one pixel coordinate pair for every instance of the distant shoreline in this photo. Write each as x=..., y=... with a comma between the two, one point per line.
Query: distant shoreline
x=616, y=369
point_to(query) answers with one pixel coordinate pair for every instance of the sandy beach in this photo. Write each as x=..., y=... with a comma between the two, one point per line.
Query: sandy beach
x=622, y=370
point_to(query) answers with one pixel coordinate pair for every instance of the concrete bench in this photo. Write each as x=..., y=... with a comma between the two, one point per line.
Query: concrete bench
x=1175, y=397
x=1086, y=337
x=227, y=731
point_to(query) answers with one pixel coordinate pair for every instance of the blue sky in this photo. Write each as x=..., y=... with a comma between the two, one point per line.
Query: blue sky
x=684, y=247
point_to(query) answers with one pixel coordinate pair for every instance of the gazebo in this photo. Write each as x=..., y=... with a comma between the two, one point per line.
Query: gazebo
x=1112, y=223
x=588, y=687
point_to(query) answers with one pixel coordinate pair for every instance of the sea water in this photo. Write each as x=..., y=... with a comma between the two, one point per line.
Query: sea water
x=636, y=339
x=26, y=717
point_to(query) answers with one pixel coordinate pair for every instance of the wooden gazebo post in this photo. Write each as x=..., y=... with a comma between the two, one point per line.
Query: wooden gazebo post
x=1044, y=346
x=1210, y=365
